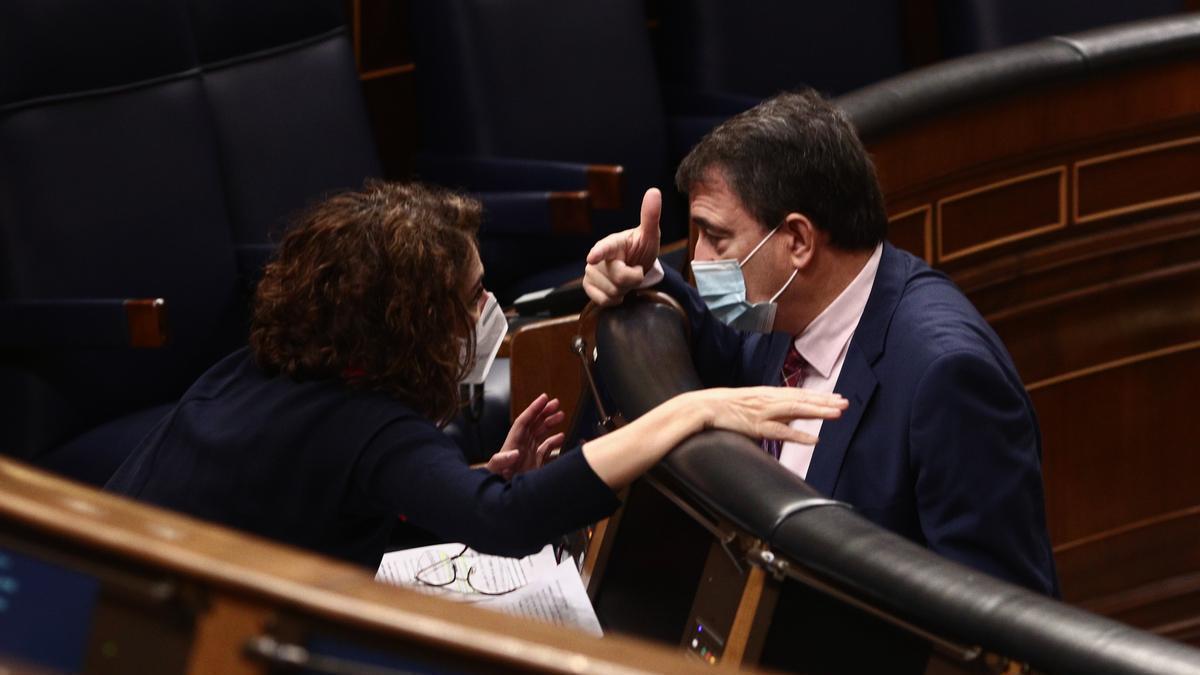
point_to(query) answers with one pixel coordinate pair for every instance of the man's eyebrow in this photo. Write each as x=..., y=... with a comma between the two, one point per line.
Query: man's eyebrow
x=707, y=226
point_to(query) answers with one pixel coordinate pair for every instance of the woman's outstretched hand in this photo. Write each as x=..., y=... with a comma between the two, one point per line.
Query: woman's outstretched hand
x=767, y=412
x=758, y=412
x=530, y=439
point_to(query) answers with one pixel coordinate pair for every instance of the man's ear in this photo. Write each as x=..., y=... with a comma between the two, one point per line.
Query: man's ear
x=805, y=237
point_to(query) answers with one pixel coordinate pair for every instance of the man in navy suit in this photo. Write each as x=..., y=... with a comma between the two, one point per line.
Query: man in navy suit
x=940, y=443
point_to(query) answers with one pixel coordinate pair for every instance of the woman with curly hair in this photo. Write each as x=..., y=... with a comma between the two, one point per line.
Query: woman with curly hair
x=326, y=427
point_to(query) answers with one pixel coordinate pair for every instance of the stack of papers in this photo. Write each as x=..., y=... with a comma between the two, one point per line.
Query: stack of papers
x=546, y=590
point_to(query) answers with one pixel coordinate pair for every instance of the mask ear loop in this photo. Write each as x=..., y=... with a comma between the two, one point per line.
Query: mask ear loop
x=760, y=245
x=785, y=285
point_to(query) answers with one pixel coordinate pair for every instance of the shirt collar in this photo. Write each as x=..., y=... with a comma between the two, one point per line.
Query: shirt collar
x=826, y=337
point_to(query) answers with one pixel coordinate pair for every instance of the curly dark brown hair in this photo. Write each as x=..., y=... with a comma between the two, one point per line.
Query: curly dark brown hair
x=367, y=288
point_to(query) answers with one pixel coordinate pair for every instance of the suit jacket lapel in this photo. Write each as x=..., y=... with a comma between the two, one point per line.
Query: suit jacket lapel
x=776, y=353
x=857, y=381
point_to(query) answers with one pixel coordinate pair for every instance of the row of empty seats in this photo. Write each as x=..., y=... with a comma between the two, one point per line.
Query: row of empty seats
x=157, y=169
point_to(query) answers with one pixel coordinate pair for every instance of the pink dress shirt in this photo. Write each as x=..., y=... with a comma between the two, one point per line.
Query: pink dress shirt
x=823, y=345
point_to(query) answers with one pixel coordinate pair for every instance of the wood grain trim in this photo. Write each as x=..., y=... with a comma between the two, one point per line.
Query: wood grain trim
x=147, y=323
x=1161, y=518
x=526, y=349
x=222, y=631
x=302, y=581
x=1146, y=595
x=604, y=185
x=1024, y=234
x=1131, y=208
x=1183, y=631
x=569, y=213
x=748, y=620
x=1110, y=365
x=928, y=211
x=402, y=69
x=600, y=548
x=1041, y=303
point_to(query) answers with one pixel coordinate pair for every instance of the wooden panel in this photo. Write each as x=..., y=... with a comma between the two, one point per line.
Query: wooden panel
x=1131, y=556
x=542, y=362
x=391, y=106
x=229, y=573
x=379, y=34
x=1005, y=211
x=1119, y=445
x=604, y=185
x=731, y=611
x=1035, y=123
x=912, y=231
x=1138, y=179
x=570, y=213
x=384, y=31
x=222, y=633
x=1098, y=257
x=1069, y=334
x=1146, y=574
x=654, y=568
x=147, y=320
x=1098, y=305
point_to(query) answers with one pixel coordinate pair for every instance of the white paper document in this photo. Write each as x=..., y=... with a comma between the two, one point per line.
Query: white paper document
x=541, y=589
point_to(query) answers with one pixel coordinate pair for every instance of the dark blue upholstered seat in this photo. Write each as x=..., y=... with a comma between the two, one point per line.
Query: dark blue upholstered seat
x=143, y=146
x=723, y=57
x=534, y=81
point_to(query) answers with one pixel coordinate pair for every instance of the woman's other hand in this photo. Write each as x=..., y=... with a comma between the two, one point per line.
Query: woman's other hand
x=530, y=439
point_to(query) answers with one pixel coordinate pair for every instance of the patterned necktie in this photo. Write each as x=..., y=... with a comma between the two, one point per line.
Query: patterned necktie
x=793, y=375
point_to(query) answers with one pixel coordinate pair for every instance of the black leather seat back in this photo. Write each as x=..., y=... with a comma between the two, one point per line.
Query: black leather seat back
x=140, y=142
x=110, y=186
x=543, y=79
x=284, y=94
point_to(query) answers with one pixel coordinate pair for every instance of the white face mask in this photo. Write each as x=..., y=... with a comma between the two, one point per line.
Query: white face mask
x=490, y=329
x=722, y=286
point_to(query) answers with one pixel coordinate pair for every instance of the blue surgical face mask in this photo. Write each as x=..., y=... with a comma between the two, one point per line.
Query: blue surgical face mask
x=723, y=288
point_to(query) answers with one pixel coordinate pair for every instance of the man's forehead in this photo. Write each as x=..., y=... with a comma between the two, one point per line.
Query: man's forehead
x=713, y=203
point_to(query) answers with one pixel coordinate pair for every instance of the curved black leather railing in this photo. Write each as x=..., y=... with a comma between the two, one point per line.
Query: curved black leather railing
x=645, y=359
x=886, y=105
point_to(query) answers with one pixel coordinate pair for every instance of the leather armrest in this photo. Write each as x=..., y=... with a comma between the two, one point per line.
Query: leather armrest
x=603, y=182
x=73, y=323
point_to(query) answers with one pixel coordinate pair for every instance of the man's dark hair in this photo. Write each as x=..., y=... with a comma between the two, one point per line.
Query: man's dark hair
x=795, y=153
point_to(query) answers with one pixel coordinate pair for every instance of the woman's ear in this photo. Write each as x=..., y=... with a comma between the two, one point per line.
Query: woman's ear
x=804, y=238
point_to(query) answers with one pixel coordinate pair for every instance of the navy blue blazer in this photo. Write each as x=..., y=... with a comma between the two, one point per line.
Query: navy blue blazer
x=940, y=443
x=322, y=466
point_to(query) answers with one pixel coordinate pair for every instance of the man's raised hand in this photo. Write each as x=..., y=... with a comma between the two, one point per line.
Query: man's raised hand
x=618, y=263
